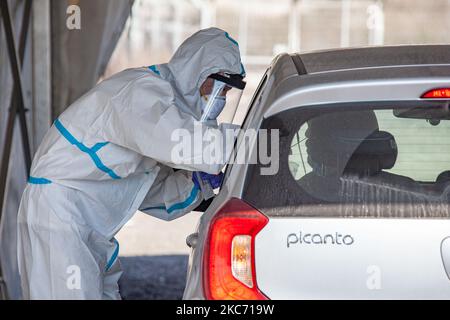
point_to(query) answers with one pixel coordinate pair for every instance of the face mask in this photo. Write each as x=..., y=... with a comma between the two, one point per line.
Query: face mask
x=216, y=108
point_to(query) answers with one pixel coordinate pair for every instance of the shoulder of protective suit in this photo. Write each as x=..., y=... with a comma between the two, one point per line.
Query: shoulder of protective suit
x=139, y=83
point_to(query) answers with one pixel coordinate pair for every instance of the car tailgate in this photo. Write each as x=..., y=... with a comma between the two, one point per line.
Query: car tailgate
x=353, y=258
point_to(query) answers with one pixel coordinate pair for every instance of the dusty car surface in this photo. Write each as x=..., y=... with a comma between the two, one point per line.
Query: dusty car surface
x=357, y=206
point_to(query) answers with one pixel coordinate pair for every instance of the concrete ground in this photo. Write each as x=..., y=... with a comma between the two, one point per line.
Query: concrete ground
x=154, y=256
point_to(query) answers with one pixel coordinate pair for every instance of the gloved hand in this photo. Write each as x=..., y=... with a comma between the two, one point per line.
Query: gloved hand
x=214, y=180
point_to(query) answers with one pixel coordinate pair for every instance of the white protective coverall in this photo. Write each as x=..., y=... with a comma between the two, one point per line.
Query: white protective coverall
x=105, y=157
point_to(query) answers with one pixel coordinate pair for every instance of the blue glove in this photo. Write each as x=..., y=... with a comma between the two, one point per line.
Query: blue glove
x=214, y=180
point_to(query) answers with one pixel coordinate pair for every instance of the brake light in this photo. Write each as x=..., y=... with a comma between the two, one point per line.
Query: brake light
x=229, y=257
x=438, y=93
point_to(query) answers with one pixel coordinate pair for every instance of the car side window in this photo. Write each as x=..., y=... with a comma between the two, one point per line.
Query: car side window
x=253, y=102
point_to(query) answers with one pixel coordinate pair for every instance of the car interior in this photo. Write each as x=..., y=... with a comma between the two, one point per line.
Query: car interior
x=351, y=160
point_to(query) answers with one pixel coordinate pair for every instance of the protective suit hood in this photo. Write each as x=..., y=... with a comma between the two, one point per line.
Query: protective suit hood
x=206, y=52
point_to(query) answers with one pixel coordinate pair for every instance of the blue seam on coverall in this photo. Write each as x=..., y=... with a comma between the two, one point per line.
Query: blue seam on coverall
x=181, y=205
x=90, y=151
x=231, y=39
x=98, y=146
x=155, y=70
x=34, y=180
x=242, y=69
x=113, y=257
x=227, y=35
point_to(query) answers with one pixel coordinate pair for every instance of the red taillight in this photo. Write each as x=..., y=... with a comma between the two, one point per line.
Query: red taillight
x=438, y=93
x=229, y=263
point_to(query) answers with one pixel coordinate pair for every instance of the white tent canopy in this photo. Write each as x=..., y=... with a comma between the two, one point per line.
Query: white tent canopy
x=56, y=65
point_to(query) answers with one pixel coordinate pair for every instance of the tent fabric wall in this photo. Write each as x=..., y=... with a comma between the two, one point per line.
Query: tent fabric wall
x=82, y=55
x=78, y=59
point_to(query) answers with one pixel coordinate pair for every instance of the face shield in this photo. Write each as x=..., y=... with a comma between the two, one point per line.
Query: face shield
x=222, y=100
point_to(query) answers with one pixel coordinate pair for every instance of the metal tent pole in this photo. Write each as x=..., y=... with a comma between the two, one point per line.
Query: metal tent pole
x=17, y=101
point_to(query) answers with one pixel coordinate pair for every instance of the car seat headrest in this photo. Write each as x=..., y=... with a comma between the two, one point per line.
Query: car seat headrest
x=443, y=177
x=327, y=152
x=376, y=152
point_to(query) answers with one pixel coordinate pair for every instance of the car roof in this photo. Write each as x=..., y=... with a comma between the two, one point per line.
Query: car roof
x=369, y=57
x=291, y=73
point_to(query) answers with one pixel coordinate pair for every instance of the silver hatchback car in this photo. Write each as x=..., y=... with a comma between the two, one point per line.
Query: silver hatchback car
x=358, y=206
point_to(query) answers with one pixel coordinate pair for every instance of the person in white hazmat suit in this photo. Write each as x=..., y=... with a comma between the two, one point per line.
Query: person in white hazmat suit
x=108, y=155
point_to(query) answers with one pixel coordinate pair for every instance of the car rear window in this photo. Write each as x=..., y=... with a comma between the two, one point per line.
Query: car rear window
x=359, y=160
